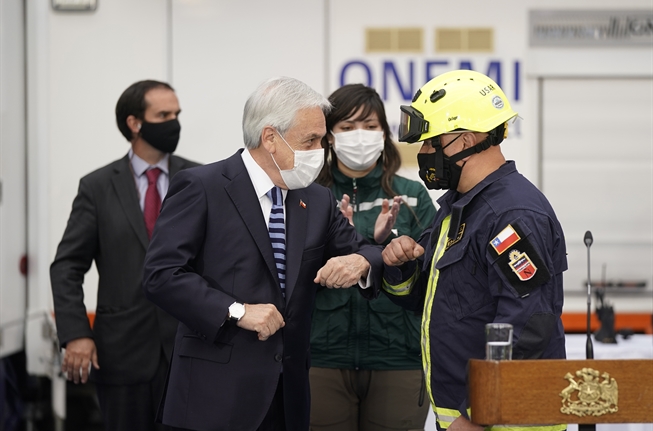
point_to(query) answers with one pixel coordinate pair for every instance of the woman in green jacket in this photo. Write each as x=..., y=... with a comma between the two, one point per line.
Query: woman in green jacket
x=366, y=368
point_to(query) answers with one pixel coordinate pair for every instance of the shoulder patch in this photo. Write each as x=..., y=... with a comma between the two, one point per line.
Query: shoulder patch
x=522, y=266
x=506, y=239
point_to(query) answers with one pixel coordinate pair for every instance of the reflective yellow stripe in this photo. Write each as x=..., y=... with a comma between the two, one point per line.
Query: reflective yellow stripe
x=446, y=416
x=428, y=306
x=522, y=427
x=526, y=428
x=402, y=289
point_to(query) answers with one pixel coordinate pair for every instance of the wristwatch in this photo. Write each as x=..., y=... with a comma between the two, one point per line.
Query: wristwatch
x=236, y=311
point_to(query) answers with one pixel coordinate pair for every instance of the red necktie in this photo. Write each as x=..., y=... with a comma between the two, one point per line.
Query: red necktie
x=152, y=201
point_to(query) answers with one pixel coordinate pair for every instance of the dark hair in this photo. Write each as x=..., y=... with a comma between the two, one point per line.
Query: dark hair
x=132, y=102
x=346, y=101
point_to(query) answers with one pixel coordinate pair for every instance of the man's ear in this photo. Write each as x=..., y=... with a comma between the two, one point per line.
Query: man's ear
x=134, y=125
x=268, y=139
x=469, y=140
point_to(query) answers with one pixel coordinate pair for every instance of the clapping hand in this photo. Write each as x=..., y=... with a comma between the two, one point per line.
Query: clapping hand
x=386, y=219
x=346, y=209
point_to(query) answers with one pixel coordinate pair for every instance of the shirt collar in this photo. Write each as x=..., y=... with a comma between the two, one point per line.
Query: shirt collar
x=140, y=166
x=261, y=181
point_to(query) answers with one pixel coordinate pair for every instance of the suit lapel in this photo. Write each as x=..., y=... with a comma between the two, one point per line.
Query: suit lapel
x=296, y=225
x=123, y=183
x=174, y=165
x=241, y=191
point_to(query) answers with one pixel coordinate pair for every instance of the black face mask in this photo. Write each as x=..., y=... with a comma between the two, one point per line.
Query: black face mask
x=162, y=136
x=437, y=170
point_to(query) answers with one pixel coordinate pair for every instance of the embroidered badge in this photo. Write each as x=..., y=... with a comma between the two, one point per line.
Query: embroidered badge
x=506, y=239
x=459, y=236
x=522, y=265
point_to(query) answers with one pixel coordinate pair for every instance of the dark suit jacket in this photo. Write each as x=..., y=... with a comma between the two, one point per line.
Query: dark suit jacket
x=210, y=248
x=106, y=225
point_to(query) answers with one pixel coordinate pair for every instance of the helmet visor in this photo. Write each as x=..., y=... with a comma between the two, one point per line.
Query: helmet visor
x=411, y=125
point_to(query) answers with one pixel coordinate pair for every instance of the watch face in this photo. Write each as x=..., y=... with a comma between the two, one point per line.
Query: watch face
x=236, y=310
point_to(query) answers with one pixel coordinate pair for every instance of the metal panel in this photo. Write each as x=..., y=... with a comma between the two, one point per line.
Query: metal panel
x=224, y=49
x=13, y=285
x=598, y=175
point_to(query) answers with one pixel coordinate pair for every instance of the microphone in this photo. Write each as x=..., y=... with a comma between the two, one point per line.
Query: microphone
x=589, y=348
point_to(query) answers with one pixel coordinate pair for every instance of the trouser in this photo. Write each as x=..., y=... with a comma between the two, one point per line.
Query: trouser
x=367, y=400
x=133, y=407
x=275, y=419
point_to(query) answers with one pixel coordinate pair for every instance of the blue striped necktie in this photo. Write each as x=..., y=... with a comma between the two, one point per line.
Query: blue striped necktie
x=278, y=235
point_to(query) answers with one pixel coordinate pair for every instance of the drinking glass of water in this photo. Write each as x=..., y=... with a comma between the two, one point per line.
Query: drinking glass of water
x=498, y=341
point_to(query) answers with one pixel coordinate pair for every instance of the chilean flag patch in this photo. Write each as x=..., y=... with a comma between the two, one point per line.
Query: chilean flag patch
x=506, y=238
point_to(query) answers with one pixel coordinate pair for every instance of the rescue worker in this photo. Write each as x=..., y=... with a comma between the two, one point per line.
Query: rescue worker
x=495, y=251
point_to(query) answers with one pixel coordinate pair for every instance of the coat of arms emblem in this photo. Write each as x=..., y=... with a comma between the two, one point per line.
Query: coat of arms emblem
x=522, y=265
x=589, y=395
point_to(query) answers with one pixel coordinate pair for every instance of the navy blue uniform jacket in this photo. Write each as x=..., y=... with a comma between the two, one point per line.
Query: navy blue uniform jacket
x=478, y=284
x=210, y=248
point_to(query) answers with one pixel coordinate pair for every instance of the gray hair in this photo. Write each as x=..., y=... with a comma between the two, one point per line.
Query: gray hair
x=275, y=103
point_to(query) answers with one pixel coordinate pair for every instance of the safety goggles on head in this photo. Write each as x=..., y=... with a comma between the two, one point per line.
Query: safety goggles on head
x=412, y=124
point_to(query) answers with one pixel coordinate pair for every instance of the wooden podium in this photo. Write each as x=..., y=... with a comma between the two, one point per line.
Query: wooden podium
x=561, y=391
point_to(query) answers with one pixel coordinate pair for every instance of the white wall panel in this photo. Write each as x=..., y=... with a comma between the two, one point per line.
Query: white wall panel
x=93, y=58
x=13, y=187
x=598, y=120
x=223, y=49
x=598, y=175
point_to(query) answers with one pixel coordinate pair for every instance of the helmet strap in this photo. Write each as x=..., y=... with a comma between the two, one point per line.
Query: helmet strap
x=494, y=137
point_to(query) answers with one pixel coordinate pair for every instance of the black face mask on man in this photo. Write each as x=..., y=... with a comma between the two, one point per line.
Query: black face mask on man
x=437, y=170
x=162, y=136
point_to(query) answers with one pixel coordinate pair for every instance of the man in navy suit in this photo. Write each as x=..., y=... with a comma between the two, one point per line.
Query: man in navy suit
x=241, y=355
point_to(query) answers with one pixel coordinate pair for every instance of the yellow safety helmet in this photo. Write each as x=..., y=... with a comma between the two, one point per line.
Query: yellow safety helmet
x=456, y=100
